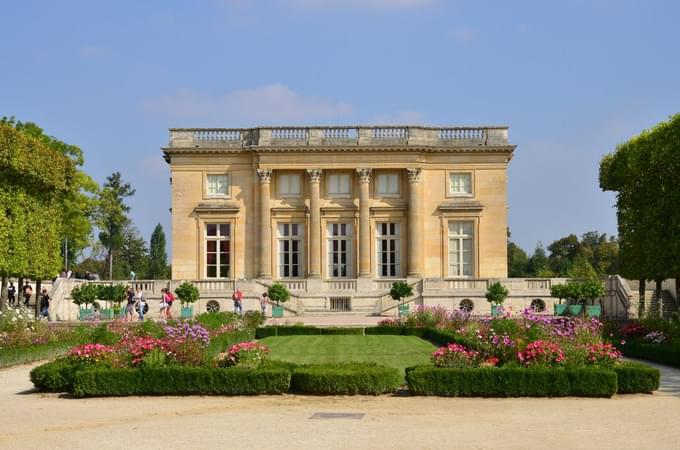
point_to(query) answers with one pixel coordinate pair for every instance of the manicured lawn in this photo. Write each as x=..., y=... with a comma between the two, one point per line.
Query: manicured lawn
x=10, y=356
x=391, y=351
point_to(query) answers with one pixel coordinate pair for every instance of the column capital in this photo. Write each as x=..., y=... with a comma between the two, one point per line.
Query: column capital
x=413, y=175
x=265, y=175
x=364, y=175
x=314, y=175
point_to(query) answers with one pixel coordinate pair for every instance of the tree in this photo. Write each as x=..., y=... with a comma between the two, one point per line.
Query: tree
x=537, y=265
x=563, y=252
x=111, y=214
x=644, y=174
x=77, y=204
x=158, y=259
x=518, y=261
x=133, y=255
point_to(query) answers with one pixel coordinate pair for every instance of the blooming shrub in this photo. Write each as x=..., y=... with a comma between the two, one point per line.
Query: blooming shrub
x=541, y=353
x=135, y=348
x=389, y=323
x=455, y=356
x=602, y=354
x=92, y=353
x=634, y=330
x=186, y=344
x=245, y=354
x=656, y=337
x=427, y=316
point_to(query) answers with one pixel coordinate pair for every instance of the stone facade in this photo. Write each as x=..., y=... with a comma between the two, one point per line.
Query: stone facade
x=441, y=192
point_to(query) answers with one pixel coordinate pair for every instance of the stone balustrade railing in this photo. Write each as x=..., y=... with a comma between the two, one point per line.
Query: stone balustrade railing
x=338, y=135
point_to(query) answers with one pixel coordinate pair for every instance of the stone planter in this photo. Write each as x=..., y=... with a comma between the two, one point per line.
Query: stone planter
x=85, y=313
x=277, y=311
x=575, y=310
x=496, y=310
x=594, y=311
x=403, y=310
x=186, y=312
x=560, y=310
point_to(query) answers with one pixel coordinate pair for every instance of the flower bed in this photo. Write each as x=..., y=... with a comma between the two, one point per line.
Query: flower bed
x=651, y=339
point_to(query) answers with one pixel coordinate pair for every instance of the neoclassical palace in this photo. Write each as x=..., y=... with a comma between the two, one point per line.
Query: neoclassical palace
x=338, y=213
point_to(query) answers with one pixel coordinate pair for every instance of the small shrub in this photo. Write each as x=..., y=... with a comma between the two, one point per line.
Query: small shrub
x=278, y=293
x=55, y=376
x=345, y=379
x=496, y=293
x=541, y=353
x=634, y=378
x=253, y=319
x=187, y=293
x=456, y=356
x=400, y=290
x=249, y=354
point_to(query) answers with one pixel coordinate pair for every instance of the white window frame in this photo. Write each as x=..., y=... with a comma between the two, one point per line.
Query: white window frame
x=393, y=256
x=291, y=240
x=387, y=176
x=284, y=180
x=208, y=194
x=449, y=184
x=333, y=181
x=347, y=239
x=218, y=238
x=457, y=237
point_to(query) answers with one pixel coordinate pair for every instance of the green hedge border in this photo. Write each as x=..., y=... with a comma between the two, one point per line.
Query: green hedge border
x=635, y=378
x=663, y=354
x=511, y=382
x=345, y=379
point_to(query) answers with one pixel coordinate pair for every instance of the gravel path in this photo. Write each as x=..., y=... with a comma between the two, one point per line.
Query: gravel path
x=32, y=420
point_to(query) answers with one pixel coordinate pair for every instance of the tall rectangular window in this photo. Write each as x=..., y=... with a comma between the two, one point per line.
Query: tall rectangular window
x=338, y=185
x=289, y=185
x=290, y=250
x=218, y=250
x=461, y=248
x=387, y=244
x=460, y=183
x=217, y=185
x=388, y=184
x=339, y=246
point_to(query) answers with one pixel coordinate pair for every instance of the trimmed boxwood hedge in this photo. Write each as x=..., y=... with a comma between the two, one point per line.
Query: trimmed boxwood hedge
x=345, y=331
x=635, y=377
x=345, y=379
x=180, y=381
x=296, y=330
x=55, y=376
x=511, y=382
x=661, y=353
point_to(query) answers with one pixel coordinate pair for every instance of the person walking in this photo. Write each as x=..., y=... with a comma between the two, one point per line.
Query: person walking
x=164, y=304
x=263, y=303
x=44, y=303
x=130, y=307
x=11, y=293
x=141, y=304
x=169, y=299
x=27, y=292
x=237, y=297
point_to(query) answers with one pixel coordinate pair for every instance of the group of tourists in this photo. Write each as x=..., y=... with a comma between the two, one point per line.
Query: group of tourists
x=26, y=294
x=237, y=298
x=135, y=301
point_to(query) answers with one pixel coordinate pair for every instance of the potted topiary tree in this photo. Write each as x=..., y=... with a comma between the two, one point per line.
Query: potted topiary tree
x=573, y=293
x=187, y=293
x=559, y=291
x=401, y=290
x=118, y=295
x=496, y=294
x=278, y=293
x=591, y=290
x=105, y=293
x=84, y=294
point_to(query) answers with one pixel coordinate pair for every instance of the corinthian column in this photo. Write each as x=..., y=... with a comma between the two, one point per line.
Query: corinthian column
x=314, y=176
x=415, y=222
x=364, y=223
x=265, y=244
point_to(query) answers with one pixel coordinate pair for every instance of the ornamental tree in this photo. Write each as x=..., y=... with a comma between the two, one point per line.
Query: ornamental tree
x=187, y=293
x=400, y=290
x=278, y=293
x=496, y=293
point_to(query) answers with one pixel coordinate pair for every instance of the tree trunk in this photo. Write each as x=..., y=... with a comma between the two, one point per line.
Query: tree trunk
x=659, y=300
x=3, y=293
x=110, y=264
x=37, y=298
x=641, y=291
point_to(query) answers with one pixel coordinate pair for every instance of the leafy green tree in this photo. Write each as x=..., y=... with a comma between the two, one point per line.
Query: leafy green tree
x=496, y=293
x=133, y=255
x=400, y=290
x=111, y=215
x=158, y=258
x=538, y=265
x=582, y=269
x=563, y=252
x=518, y=261
x=187, y=293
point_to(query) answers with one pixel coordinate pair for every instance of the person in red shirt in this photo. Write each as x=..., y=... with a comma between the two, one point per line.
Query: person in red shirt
x=237, y=297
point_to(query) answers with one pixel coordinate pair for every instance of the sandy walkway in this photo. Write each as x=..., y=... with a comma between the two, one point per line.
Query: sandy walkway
x=31, y=420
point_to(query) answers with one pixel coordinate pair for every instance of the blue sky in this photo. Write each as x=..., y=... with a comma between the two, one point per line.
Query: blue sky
x=571, y=79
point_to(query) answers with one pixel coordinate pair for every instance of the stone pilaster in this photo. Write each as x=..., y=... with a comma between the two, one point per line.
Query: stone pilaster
x=314, y=176
x=415, y=224
x=265, y=244
x=364, y=223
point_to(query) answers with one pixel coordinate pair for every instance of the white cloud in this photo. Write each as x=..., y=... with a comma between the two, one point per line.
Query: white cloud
x=373, y=4
x=273, y=103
